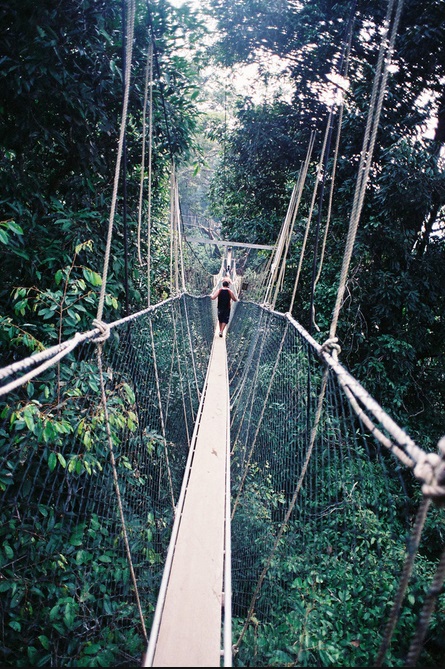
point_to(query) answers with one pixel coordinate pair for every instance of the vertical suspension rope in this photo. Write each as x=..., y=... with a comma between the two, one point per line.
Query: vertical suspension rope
x=336, y=150
x=181, y=382
x=124, y=171
x=309, y=219
x=247, y=367
x=172, y=218
x=323, y=169
x=406, y=574
x=129, y=33
x=129, y=42
x=175, y=233
x=289, y=511
x=192, y=351
x=150, y=153
x=260, y=420
x=287, y=230
x=280, y=256
x=148, y=82
x=275, y=259
x=161, y=415
x=378, y=92
x=425, y=615
x=301, y=181
x=179, y=234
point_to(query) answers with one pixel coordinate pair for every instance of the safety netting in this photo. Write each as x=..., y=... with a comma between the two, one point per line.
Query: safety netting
x=321, y=511
x=84, y=535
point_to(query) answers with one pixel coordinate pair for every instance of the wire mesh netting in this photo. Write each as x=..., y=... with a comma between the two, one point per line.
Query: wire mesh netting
x=67, y=597
x=318, y=535
x=320, y=518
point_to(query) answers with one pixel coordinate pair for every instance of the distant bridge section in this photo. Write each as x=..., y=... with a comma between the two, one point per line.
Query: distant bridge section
x=221, y=242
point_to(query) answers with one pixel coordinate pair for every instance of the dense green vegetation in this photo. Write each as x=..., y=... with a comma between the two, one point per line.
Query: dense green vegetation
x=60, y=106
x=391, y=327
x=61, y=73
x=67, y=594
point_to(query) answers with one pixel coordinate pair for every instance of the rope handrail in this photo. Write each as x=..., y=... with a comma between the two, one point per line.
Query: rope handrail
x=315, y=428
x=428, y=467
x=55, y=353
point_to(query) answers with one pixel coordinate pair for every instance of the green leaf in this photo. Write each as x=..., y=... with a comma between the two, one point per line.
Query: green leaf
x=52, y=461
x=15, y=227
x=92, y=649
x=69, y=614
x=130, y=394
x=21, y=306
x=48, y=432
x=54, y=613
x=72, y=465
x=76, y=537
x=28, y=418
x=92, y=277
x=61, y=459
x=32, y=654
x=8, y=551
x=43, y=510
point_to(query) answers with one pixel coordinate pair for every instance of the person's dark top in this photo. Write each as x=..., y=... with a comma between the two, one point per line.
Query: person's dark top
x=224, y=300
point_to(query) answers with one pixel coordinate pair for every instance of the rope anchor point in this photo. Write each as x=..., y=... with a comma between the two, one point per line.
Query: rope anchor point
x=331, y=347
x=431, y=470
x=104, y=331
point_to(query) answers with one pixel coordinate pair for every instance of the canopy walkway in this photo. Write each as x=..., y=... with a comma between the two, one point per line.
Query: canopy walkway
x=174, y=499
x=124, y=496
x=187, y=628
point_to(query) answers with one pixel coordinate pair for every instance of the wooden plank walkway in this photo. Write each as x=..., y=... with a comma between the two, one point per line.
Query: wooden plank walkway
x=187, y=631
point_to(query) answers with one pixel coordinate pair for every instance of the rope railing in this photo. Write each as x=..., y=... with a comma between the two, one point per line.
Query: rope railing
x=38, y=362
x=92, y=470
x=269, y=373
x=313, y=462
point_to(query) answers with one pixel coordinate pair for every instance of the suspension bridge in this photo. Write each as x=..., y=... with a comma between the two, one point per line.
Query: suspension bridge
x=173, y=498
x=172, y=483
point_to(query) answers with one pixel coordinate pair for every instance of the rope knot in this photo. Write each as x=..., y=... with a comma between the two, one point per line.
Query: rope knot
x=431, y=469
x=331, y=347
x=105, y=331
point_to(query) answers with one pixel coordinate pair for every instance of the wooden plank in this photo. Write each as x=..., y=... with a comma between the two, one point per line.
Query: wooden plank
x=190, y=625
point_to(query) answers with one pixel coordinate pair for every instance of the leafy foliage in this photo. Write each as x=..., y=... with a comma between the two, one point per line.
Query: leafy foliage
x=391, y=325
x=318, y=542
x=60, y=108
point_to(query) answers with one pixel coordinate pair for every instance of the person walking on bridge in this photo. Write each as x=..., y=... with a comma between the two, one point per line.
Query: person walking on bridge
x=225, y=298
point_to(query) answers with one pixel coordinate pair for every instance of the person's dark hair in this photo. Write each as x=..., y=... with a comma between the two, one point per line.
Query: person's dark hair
x=225, y=284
